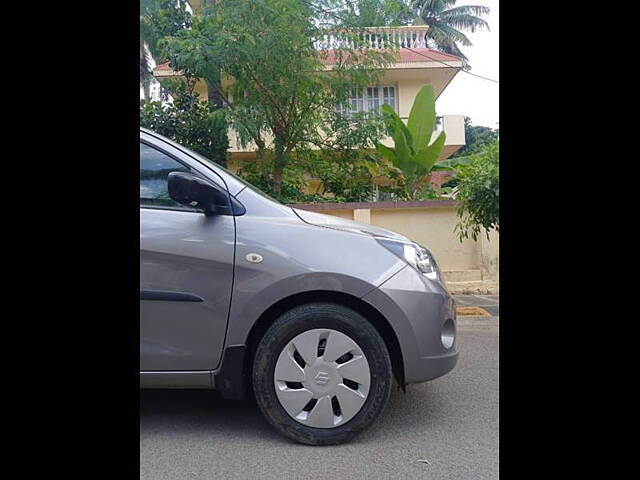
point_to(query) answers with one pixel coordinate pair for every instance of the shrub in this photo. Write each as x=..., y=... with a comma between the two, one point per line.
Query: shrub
x=188, y=121
x=478, y=193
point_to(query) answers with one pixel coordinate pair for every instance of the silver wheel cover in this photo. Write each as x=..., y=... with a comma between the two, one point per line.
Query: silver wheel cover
x=326, y=390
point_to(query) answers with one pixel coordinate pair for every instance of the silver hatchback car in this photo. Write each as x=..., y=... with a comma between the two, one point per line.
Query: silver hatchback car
x=313, y=315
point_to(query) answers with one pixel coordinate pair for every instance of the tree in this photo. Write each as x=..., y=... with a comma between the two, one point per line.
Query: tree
x=346, y=166
x=281, y=93
x=413, y=152
x=478, y=193
x=213, y=76
x=186, y=119
x=446, y=22
x=476, y=137
x=372, y=13
x=343, y=164
x=158, y=18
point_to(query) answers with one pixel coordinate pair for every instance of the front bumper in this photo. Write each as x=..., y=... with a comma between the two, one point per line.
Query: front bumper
x=429, y=368
x=420, y=311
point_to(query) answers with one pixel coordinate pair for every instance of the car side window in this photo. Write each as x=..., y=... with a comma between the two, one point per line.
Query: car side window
x=155, y=166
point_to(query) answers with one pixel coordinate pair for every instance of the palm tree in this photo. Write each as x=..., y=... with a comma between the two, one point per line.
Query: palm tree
x=148, y=39
x=146, y=76
x=158, y=19
x=446, y=21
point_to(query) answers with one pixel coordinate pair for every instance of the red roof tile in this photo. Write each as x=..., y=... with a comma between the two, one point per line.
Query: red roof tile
x=163, y=67
x=413, y=55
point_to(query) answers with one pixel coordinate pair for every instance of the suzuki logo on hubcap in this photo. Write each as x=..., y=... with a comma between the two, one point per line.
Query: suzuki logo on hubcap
x=322, y=378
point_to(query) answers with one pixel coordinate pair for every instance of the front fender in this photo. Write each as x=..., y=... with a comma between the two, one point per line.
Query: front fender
x=417, y=309
x=248, y=306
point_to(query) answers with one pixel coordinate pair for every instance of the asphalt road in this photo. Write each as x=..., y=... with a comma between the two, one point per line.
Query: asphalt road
x=490, y=303
x=451, y=423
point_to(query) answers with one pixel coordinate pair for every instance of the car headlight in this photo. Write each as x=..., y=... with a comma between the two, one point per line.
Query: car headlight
x=415, y=255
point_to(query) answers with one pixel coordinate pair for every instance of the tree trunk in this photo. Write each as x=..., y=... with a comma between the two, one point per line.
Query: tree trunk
x=146, y=90
x=215, y=103
x=144, y=72
x=261, y=157
x=213, y=91
x=214, y=85
x=278, y=167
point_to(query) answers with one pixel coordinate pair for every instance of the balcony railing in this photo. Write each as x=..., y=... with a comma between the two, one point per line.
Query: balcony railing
x=376, y=38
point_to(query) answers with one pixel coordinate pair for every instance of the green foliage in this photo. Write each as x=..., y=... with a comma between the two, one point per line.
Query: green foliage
x=292, y=185
x=348, y=178
x=476, y=138
x=281, y=98
x=446, y=22
x=370, y=13
x=341, y=179
x=341, y=161
x=478, y=193
x=343, y=166
x=187, y=120
x=413, y=153
x=158, y=19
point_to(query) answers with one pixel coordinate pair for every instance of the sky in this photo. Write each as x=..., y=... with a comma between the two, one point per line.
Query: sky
x=471, y=96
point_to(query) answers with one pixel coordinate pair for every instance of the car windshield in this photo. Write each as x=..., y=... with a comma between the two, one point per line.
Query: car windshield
x=244, y=182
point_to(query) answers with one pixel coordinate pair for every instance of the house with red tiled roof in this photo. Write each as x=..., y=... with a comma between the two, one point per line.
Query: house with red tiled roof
x=415, y=65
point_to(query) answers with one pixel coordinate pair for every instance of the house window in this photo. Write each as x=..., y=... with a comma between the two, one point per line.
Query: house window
x=389, y=96
x=368, y=100
x=373, y=99
x=356, y=100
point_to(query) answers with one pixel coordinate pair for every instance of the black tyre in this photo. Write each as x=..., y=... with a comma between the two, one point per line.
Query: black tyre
x=321, y=374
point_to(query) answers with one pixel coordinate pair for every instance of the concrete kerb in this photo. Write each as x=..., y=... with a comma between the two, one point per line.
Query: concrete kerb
x=468, y=321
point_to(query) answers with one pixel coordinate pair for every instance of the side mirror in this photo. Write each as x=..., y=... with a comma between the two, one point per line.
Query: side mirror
x=191, y=191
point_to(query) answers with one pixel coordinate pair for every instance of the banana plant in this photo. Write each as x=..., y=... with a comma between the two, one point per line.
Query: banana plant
x=413, y=153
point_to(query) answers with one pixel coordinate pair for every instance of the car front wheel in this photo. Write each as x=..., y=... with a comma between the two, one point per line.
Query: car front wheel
x=321, y=374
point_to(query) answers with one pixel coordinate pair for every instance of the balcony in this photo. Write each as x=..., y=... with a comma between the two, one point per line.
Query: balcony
x=377, y=38
x=453, y=127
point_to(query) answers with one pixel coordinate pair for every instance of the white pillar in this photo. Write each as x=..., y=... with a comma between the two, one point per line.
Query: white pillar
x=362, y=215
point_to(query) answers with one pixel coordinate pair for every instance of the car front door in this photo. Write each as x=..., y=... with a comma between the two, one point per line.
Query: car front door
x=186, y=272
